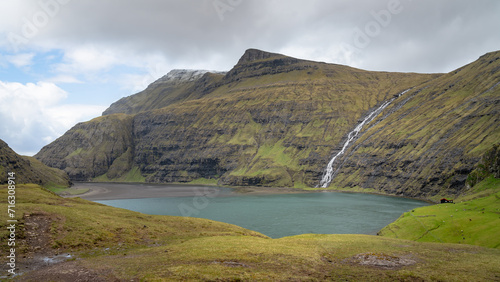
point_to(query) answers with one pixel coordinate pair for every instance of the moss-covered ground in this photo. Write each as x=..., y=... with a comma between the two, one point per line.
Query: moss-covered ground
x=126, y=245
x=473, y=218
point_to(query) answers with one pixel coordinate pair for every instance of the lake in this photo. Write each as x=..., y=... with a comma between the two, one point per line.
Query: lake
x=280, y=215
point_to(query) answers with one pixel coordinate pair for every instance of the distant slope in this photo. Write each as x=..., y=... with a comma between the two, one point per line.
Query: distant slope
x=99, y=146
x=28, y=169
x=176, y=86
x=431, y=140
x=272, y=120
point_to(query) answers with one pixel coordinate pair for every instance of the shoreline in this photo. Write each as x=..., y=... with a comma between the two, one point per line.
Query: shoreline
x=100, y=191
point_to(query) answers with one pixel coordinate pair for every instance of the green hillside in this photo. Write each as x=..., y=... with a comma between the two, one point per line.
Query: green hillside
x=297, y=110
x=431, y=141
x=29, y=170
x=475, y=222
x=473, y=218
x=276, y=121
x=107, y=244
x=101, y=145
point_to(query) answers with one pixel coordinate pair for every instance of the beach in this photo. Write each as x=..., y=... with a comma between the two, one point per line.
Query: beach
x=98, y=191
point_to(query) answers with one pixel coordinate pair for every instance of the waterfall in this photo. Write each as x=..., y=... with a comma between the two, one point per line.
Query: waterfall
x=328, y=176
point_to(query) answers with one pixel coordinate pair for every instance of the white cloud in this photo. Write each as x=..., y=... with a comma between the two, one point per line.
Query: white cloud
x=139, y=82
x=34, y=114
x=21, y=60
x=107, y=55
x=84, y=59
x=62, y=78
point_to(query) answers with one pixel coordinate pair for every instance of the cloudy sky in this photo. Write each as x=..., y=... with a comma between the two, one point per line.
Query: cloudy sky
x=65, y=61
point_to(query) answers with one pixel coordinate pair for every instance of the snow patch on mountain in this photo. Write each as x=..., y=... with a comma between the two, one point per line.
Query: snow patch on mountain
x=183, y=75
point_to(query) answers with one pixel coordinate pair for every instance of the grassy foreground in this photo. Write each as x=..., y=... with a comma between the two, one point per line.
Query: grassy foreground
x=121, y=244
x=473, y=219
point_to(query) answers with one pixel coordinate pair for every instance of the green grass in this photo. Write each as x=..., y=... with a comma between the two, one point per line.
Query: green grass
x=75, y=152
x=133, y=175
x=84, y=225
x=304, y=257
x=474, y=219
x=129, y=245
x=67, y=191
x=204, y=181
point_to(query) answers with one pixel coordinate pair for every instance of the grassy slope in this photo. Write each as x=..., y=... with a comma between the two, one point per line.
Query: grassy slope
x=473, y=219
x=147, y=247
x=53, y=178
x=99, y=146
x=277, y=121
x=150, y=98
x=29, y=170
x=430, y=144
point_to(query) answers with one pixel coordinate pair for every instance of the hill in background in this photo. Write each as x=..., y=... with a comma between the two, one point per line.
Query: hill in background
x=273, y=120
x=29, y=170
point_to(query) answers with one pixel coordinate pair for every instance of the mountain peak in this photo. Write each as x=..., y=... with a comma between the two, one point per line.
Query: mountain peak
x=180, y=75
x=255, y=55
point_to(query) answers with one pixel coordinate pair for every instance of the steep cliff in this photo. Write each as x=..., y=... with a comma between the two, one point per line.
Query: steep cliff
x=88, y=150
x=430, y=141
x=28, y=170
x=274, y=120
x=489, y=166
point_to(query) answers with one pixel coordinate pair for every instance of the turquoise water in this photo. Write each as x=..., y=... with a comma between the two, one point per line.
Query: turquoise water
x=285, y=214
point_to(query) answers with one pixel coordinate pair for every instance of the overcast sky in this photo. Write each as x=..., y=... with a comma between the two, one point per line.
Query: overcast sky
x=65, y=61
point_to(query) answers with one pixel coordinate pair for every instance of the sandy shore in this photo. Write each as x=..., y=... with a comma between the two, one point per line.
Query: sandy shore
x=112, y=191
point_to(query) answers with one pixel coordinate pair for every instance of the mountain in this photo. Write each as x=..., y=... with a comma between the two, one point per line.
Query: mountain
x=176, y=86
x=430, y=141
x=28, y=169
x=274, y=120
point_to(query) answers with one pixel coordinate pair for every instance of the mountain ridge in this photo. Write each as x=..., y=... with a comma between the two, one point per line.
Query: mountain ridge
x=271, y=120
x=441, y=148
x=173, y=87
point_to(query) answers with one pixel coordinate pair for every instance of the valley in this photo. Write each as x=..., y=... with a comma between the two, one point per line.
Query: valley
x=276, y=121
x=272, y=122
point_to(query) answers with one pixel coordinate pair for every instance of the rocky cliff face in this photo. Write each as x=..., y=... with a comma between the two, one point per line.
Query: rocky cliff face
x=274, y=120
x=88, y=150
x=429, y=142
x=488, y=166
x=28, y=170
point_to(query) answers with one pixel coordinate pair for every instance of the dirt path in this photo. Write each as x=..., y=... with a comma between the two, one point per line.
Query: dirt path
x=41, y=262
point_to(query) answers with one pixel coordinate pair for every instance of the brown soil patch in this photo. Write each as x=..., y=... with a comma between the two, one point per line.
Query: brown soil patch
x=382, y=260
x=231, y=263
x=40, y=262
x=65, y=271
